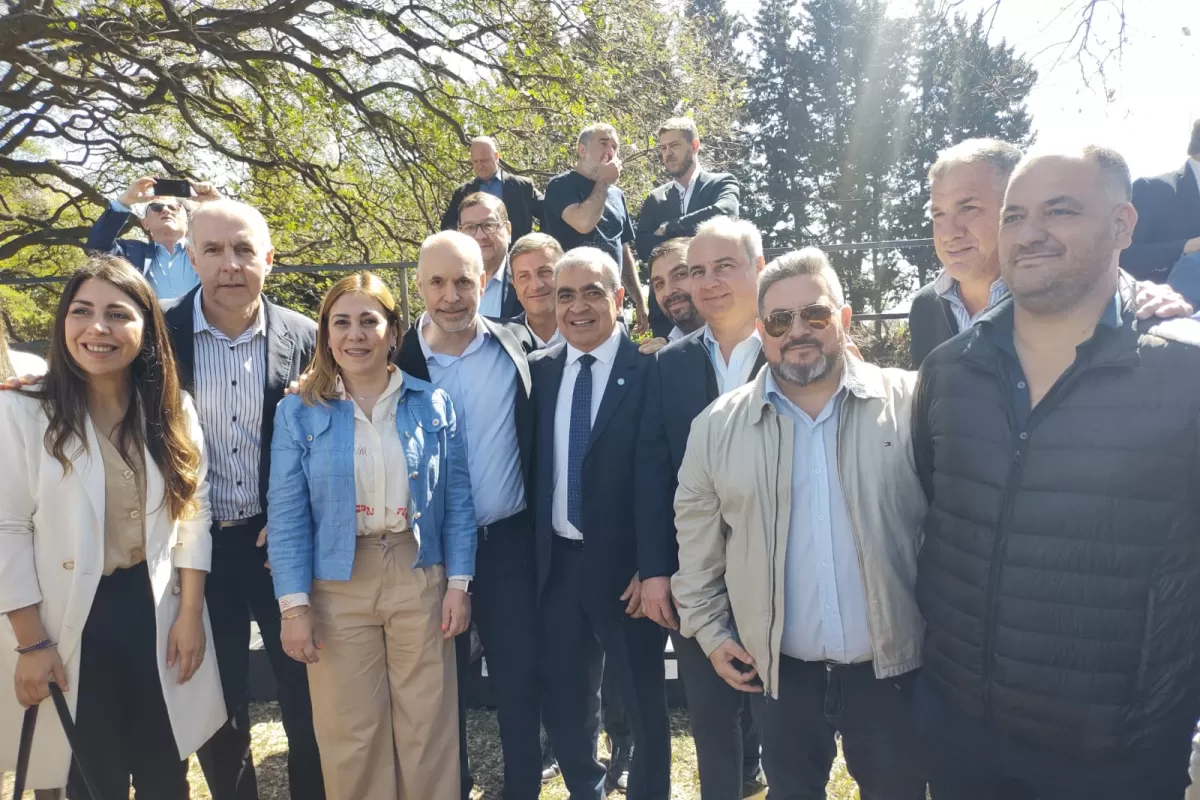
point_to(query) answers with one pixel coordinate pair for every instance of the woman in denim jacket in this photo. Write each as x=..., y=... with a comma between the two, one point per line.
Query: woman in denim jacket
x=369, y=510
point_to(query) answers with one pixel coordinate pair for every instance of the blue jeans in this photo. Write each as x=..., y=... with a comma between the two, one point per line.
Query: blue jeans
x=1185, y=278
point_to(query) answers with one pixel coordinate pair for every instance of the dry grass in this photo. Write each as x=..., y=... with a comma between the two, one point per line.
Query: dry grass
x=270, y=756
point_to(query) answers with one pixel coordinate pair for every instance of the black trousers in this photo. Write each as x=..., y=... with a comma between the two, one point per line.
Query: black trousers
x=817, y=702
x=504, y=607
x=120, y=716
x=583, y=633
x=970, y=760
x=723, y=727
x=240, y=585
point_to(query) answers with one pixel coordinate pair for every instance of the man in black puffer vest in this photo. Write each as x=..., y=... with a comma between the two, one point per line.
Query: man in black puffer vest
x=1059, y=444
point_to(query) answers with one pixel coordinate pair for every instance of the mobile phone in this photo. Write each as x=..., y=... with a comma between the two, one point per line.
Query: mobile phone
x=164, y=187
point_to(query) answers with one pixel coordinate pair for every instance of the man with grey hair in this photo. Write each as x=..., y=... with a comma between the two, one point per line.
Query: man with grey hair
x=1059, y=575
x=588, y=395
x=236, y=353
x=798, y=519
x=966, y=188
x=521, y=198
x=482, y=365
x=724, y=259
x=584, y=207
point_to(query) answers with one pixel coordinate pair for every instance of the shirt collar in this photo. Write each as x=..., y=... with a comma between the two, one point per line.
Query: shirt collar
x=497, y=178
x=695, y=175
x=501, y=273
x=999, y=321
x=947, y=287
x=1195, y=162
x=555, y=339
x=481, y=336
x=180, y=246
x=605, y=353
x=773, y=395
x=678, y=334
x=200, y=322
x=711, y=341
x=395, y=383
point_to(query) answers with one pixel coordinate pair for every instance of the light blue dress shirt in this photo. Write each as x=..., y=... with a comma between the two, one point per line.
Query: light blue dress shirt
x=492, y=302
x=482, y=384
x=825, y=601
x=170, y=273
x=947, y=289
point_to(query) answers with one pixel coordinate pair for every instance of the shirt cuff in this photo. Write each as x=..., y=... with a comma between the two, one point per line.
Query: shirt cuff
x=118, y=206
x=460, y=582
x=292, y=600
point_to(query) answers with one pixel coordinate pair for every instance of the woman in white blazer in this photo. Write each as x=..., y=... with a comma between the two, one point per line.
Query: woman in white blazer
x=104, y=548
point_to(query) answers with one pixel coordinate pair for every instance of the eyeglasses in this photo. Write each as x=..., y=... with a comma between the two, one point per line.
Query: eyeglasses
x=816, y=316
x=157, y=207
x=489, y=227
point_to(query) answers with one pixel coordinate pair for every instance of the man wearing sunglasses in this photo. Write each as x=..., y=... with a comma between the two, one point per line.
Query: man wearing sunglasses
x=164, y=259
x=798, y=515
x=723, y=259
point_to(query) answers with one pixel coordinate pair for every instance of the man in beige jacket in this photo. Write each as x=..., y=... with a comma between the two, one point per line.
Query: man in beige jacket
x=798, y=514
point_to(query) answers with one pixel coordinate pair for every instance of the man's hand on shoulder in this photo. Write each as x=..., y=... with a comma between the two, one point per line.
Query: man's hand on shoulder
x=18, y=383
x=1159, y=300
x=652, y=346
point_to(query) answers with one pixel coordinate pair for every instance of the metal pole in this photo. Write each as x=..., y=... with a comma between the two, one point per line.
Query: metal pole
x=404, y=297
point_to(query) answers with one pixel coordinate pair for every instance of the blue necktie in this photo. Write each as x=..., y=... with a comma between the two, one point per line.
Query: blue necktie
x=577, y=439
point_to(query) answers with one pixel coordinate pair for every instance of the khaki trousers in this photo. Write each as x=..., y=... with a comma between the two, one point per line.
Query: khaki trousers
x=384, y=692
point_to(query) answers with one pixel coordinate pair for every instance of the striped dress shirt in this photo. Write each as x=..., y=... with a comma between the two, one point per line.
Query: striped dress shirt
x=231, y=378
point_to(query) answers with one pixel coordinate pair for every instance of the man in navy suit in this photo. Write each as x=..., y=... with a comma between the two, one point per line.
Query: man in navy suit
x=1166, y=241
x=678, y=207
x=164, y=259
x=724, y=259
x=521, y=198
x=587, y=397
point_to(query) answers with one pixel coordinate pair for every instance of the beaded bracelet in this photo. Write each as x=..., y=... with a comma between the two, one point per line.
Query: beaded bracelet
x=44, y=644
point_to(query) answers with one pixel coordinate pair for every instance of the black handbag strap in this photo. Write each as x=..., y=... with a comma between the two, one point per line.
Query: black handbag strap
x=26, y=745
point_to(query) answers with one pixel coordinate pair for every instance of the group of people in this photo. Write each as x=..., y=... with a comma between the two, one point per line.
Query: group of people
x=984, y=576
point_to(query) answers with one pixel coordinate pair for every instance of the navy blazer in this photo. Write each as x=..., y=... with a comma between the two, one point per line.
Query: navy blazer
x=103, y=239
x=608, y=476
x=1168, y=215
x=682, y=383
x=522, y=201
x=291, y=342
x=518, y=342
x=716, y=194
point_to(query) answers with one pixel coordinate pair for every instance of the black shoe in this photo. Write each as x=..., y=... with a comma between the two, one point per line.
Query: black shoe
x=618, y=764
x=550, y=771
x=752, y=787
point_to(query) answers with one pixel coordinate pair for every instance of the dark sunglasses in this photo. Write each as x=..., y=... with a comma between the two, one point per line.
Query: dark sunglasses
x=816, y=317
x=157, y=207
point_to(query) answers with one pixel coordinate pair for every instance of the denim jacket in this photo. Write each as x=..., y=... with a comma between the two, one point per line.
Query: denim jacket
x=311, y=498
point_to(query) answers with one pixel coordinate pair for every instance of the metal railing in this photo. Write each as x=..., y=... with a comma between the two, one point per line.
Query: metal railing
x=405, y=266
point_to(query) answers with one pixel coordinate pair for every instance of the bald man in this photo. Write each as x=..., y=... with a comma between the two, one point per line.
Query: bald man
x=522, y=200
x=236, y=353
x=481, y=365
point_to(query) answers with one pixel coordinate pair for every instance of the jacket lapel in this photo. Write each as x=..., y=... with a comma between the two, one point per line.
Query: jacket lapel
x=620, y=384
x=281, y=350
x=91, y=471
x=514, y=350
x=410, y=357
x=181, y=320
x=1189, y=197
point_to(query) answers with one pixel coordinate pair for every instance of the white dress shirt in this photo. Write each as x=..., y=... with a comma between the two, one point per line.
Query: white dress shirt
x=601, y=369
x=555, y=339
x=737, y=370
x=685, y=192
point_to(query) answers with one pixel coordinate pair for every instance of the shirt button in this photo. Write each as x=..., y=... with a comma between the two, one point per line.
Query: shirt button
x=135, y=514
x=417, y=515
x=309, y=437
x=239, y=483
x=68, y=565
x=1020, y=384
x=412, y=476
x=235, y=383
x=406, y=436
x=235, y=449
x=235, y=419
x=437, y=422
x=1024, y=436
x=128, y=473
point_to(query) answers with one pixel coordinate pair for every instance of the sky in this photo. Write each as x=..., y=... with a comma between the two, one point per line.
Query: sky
x=1150, y=94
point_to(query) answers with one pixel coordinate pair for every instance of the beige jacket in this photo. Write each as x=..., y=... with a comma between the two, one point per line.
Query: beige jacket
x=733, y=507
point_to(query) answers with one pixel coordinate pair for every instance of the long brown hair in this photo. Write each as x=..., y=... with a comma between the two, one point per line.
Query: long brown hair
x=320, y=384
x=155, y=419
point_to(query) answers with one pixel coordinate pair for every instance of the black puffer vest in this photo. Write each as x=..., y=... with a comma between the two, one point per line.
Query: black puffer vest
x=1060, y=572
